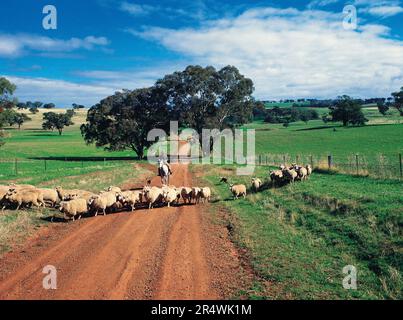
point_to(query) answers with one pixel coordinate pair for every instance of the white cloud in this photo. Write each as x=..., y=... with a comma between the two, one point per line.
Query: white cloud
x=321, y=3
x=135, y=9
x=95, y=85
x=295, y=53
x=383, y=11
x=15, y=45
x=62, y=93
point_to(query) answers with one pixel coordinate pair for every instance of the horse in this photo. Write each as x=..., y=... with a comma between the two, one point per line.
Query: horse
x=164, y=172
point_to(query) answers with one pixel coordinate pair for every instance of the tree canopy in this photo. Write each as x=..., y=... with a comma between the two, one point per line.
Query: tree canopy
x=348, y=111
x=122, y=121
x=398, y=101
x=198, y=98
x=58, y=121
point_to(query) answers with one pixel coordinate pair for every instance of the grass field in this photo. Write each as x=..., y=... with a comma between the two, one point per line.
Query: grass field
x=300, y=237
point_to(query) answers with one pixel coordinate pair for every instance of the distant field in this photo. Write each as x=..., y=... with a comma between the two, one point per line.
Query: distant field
x=300, y=237
x=320, y=140
x=285, y=104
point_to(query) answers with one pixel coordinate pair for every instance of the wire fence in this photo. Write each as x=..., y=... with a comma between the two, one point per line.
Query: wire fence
x=16, y=168
x=380, y=166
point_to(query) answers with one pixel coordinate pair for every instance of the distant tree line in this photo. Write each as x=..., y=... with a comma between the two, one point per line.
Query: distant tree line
x=289, y=115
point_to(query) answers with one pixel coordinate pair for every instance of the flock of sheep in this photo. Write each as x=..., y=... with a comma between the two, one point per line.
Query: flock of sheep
x=290, y=174
x=75, y=203
x=278, y=177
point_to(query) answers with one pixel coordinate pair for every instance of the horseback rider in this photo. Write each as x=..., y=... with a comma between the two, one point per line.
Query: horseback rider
x=163, y=160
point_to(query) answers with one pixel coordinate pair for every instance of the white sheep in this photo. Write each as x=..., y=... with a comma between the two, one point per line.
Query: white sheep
x=308, y=169
x=102, y=202
x=205, y=194
x=170, y=195
x=73, y=208
x=302, y=173
x=114, y=189
x=276, y=176
x=130, y=198
x=238, y=190
x=290, y=175
x=50, y=195
x=25, y=196
x=256, y=184
x=196, y=193
x=152, y=195
x=186, y=194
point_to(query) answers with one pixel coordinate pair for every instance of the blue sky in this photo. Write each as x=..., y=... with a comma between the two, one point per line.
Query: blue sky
x=290, y=49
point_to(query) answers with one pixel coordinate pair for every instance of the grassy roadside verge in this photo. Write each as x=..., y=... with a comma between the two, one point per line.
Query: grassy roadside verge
x=300, y=237
x=17, y=226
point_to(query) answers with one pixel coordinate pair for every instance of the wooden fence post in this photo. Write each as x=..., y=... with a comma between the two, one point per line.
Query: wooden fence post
x=329, y=161
x=297, y=159
x=283, y=160
x=357, y=164
x=401, y=166
x=46, y=167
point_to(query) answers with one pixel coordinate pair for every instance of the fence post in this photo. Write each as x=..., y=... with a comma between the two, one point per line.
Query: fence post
x=297, y=159
x=401, y=165
x=16, y=167
x=82, y=164
x=46, y=167
x=329, y=161
x=357, y=164
x=283, y=159
x=104, y=162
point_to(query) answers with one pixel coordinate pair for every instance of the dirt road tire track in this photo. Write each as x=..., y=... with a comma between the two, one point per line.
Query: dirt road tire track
x=165, y=253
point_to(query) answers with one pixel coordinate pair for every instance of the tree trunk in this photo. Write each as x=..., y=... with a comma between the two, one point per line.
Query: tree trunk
x=60, y=132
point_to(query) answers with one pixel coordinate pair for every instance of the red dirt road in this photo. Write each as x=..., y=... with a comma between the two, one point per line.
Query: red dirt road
x=165, y=253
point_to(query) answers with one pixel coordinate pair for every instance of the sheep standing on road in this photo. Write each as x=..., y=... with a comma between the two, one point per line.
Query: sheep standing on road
x=152, y=195
x=205, y=194
x=186, y=194
x=196, y=193
x=130, y=198
x=170, y=195
x=73, y=208
x=238, y=190
x=102, y=202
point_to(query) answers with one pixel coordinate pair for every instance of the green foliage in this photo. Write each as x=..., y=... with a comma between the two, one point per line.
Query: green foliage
x=348, y=111
x=383, y=107
x=300, y=237
x=398, y=101
x=49, y=106
x=123, y=121
x=11, y=117
x=77, y=106
x=6, y=89
x=204, y=98
x=288, y=115
x=58, y=121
